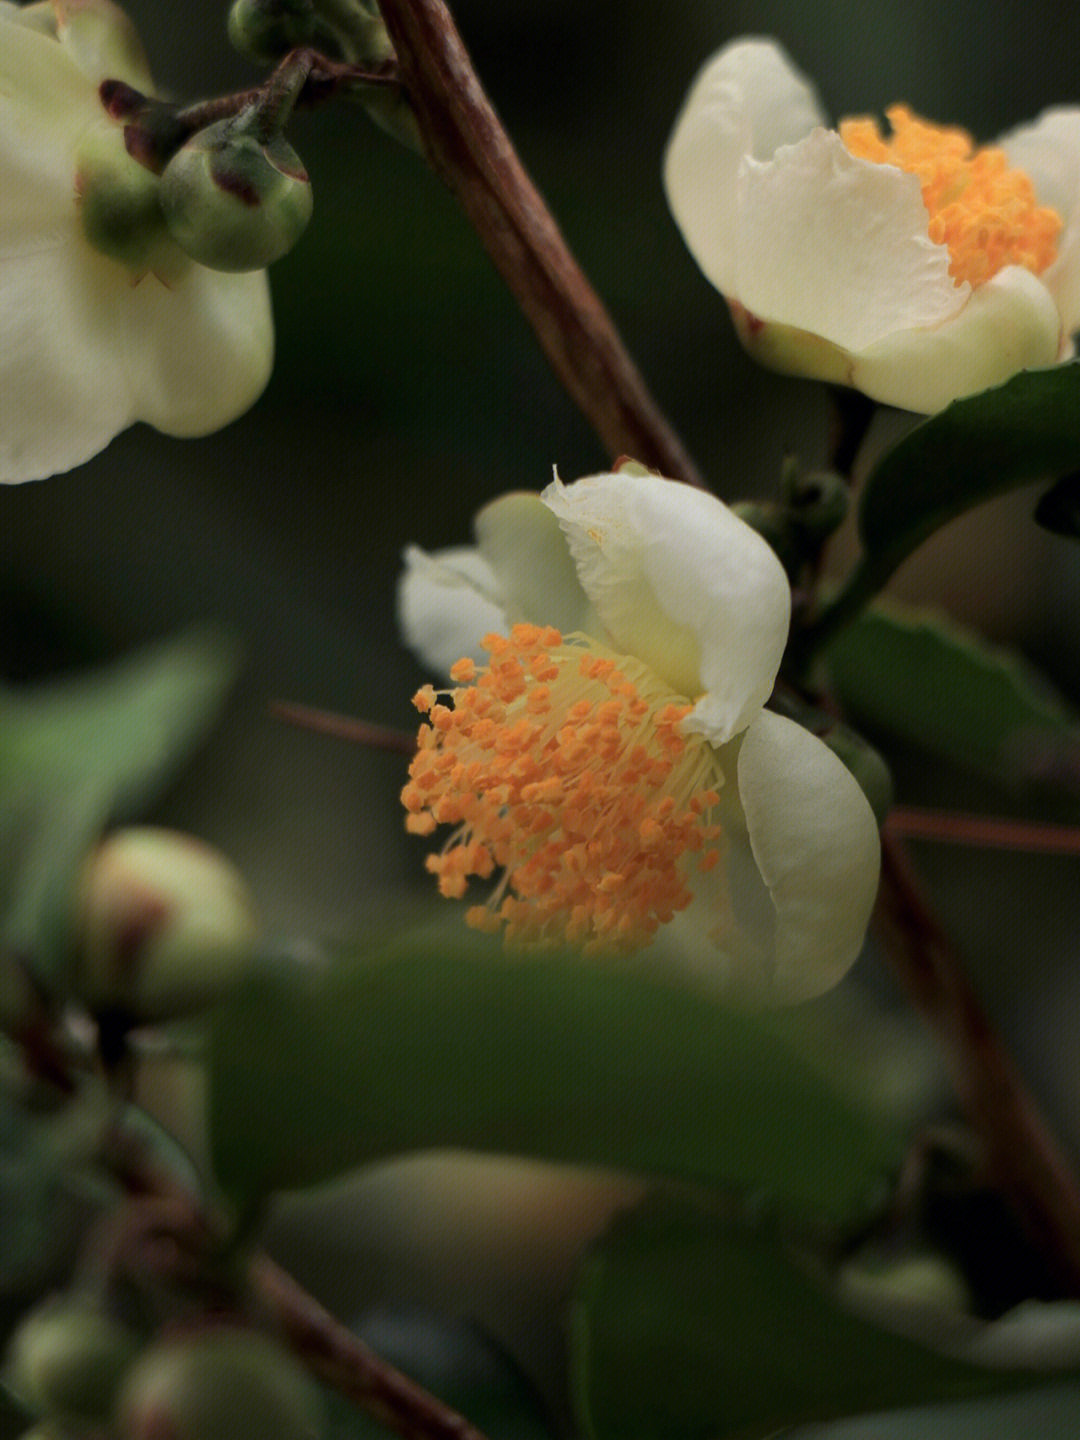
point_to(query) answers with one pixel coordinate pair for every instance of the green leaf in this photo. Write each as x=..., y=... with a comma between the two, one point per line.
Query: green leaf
x=313, y=1074
x=974, y=449
x=686, y=1326
x=454, y=1360
x=921, y=678
x=80, y=753
x=1027, y=429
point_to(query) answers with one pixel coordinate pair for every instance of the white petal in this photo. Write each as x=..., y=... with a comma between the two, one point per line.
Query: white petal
x=748, y=100
x=815, y=842
x=104, y=44
x=1036, y=1335
x=85, y=351
x=681, y=582
x=1049, y=151
x=446, y=603
x=45, y=105
x=838, y=246
x=521, y=540
x=198, y=352
x=1009, y=324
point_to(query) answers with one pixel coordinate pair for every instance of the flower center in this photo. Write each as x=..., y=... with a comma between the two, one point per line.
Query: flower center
x=981, y=209
x=565, y=766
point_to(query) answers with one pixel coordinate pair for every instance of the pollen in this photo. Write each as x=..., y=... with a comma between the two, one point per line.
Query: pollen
x=564, y=767
x=981, y=208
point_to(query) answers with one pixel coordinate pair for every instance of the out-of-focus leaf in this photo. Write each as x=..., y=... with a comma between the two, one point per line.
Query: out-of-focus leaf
x=1058, y=509
x=313, y=1074
x=456, y=1362
x=80, y=753
x=923, y=679
x=685, y=1326
x=974, y=449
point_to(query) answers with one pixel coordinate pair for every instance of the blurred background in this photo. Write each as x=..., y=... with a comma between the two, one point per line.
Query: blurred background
x=408, y=390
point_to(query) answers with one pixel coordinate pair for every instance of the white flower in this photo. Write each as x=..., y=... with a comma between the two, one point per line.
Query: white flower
x=916, y=269
x=87, y=344
x=608, y=750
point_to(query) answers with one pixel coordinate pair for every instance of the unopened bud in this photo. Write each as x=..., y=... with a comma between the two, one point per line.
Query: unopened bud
x=119, y=201
x=233, y=201
x=218, y=1384
x=66, y=1359
x=264, y=30
x=163, y=925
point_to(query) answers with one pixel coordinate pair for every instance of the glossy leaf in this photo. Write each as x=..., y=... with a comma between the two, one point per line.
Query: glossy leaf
x=315, y=1073
x=687, y=1326
x=921, y=678
x=974, y=449
x=454, y=1360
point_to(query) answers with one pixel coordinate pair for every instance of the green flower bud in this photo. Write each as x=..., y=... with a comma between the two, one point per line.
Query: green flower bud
x=163, y=925
x=119, y=202
x=264, y=30
x=66, y=1359
x=233, y=201
x=218, y=1384
x=866, y=764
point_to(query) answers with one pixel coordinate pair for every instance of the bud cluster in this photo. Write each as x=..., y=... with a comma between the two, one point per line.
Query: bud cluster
x=83, y=1372
x=233, y=195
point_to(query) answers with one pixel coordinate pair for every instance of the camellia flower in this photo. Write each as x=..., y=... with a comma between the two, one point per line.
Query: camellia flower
x=605, y=750
x=90, y=343
x=915, y=268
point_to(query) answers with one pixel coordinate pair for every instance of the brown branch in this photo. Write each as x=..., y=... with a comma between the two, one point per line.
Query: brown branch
x=344, y=727
x=339, y=1359
x=472, y=154
x=1022, y=1155
x=989, y=832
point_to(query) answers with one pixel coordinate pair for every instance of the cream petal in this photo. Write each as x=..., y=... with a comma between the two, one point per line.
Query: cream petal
x=1009, y=324
x=197, y=351
x=521, y=540
x=815, y=843
x=63, y=392
x=748, y=100
x=446, y=603
x=682, y=583
x=102, y=41
x=838, y=246
x=1049, y=151
x=85, y=350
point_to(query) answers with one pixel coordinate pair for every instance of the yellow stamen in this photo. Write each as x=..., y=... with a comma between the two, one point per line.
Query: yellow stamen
x=984, y=211
x=565, y=766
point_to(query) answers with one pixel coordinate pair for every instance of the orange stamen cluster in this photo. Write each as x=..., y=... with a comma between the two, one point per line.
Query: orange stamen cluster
x=566, y=767
x=985, y=212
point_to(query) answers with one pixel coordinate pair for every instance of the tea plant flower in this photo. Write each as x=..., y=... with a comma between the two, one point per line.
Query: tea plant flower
x=915, y=268
x=604, y=757
x=90, y=343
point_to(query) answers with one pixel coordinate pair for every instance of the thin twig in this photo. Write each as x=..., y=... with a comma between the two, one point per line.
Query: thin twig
x=334, y=1354
x=344, y=727
x=989, y=832
x=1022, y=1154
x=472, y=154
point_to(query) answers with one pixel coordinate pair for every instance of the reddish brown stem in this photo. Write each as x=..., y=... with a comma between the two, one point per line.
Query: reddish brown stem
x=990, y=832
x=472, y=154
x=343, y=727
x=339, y=1359
x=1022, y=1154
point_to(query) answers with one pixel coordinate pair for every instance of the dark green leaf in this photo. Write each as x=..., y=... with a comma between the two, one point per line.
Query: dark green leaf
x=687, y=1327
x=313, y=1074
x=1059, y=509
x=80, y=753
x=455, y=1361
x=926, y=681
x=976, y=448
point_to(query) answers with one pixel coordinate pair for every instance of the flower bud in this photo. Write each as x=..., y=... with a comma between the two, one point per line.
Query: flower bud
x=264, y=30
x=163, y=925
x=66, y=1359
x=217, y=1384
x=119, y=201
x=233, y=201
